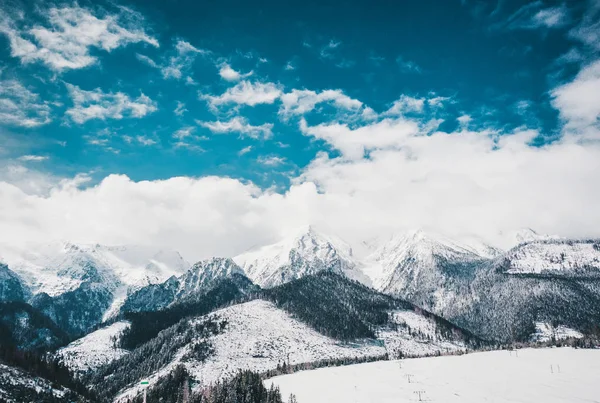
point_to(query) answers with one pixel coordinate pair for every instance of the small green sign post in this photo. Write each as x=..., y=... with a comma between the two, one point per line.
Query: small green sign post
x=145, y=383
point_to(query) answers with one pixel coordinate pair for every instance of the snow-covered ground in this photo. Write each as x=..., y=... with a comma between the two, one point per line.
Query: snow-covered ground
x=558, y=375
x=94, y=350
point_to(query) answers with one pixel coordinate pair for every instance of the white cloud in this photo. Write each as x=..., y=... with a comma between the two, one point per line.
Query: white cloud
x=271, y=160
x=454, y=183
x=65, y=42
x=21, y=107
x=240, y=125
x=406, y=104
x=328, y=49
x=579, y=102
x=534, y=16
x=245, y=150
x=386, y=175
x=246, y=93
x=354, y=143
x=145, y=141
x=553, y=17
x=289, y=66
x=185, y=138
x=298, y=102
x=229, y=74
x=588, y=30
x=184, y=132
x=408, y=66
x=34, y=158
x=96, y=104
x=180, y=109
x=464, y=121
x=177, y=64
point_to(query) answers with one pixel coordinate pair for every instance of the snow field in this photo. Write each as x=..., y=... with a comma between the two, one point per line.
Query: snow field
x=557, y=375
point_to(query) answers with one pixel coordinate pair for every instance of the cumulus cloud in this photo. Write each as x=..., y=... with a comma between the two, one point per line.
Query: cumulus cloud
x=246, y=93
x=239, y=125
x=69, y=34
x=355, y=143
x=184, y=132
x=578, y=102
x=406, y=104
x=96, y=104
x=227, y=73
x=176, y=65
x=298, y=102
x=455, y=183
x=180, y=109
x=145, y=141
x=21, y=107
x=388, y=174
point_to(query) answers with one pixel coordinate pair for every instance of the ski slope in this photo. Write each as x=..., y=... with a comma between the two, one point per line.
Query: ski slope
x=558, y=375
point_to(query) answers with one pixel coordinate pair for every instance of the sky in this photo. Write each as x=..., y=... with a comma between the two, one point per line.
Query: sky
x=212, y=127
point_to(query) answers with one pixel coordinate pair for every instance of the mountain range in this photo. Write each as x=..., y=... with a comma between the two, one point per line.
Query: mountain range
x=414, y=294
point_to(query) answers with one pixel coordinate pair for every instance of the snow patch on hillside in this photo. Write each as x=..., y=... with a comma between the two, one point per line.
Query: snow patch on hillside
x=416, y=335
x=545, y=332
x=95, y=349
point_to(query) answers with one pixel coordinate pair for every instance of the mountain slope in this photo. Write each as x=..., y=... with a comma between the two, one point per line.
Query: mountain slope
x=548, y=281
x=11, y=287
x=26, y=328
x=317, y=317
x=19, y=386
x=303, y=253
x=80, y=285
x=199, y=279
x=570, y=258
x=94, y=350
x=415, y=265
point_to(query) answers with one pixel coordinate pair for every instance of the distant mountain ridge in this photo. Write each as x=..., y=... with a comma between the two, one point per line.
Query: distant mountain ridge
x=79, y=285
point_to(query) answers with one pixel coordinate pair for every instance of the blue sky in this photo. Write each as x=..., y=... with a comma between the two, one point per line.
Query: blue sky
x=373, y=52
x=264, y=92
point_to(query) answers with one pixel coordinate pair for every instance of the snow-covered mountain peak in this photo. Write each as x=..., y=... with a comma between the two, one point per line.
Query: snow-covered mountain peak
x=61, y=266
x=304, y=251
x=525, y=235
x=205, y=272
x=416, y=258
x=422, y=245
